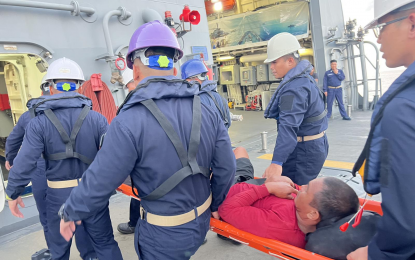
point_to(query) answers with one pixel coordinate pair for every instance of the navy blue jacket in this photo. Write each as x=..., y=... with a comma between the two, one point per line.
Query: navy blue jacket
x=136, y=145
x=297, y=98
x=42, y=137
x=391, y=172
x=210, y=86
x=332, y=80
x=15, y=139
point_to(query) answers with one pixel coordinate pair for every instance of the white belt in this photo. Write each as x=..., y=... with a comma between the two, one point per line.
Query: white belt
x=171, y=221
x=63, y=184
x=309, y=138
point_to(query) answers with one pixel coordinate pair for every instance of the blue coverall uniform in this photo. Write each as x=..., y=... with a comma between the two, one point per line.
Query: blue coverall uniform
x=38, y=177
x=334, y=80
x=219, y=104
x=137, y=145
x=390, y=170
x=297, y=102
x=43, y=137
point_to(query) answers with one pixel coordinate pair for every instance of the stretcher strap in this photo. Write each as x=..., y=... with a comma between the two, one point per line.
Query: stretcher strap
x=189, y=162
x=68, y=141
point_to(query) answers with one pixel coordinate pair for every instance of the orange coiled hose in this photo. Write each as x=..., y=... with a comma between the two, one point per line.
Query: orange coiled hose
x=102, y=99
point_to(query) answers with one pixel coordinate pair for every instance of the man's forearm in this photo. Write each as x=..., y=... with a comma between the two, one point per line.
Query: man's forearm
x=284, y=147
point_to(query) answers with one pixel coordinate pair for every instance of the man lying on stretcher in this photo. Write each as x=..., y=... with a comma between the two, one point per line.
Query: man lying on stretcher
x=282, y=210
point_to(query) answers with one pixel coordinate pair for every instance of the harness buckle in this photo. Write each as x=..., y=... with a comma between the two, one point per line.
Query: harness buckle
x=142, y=213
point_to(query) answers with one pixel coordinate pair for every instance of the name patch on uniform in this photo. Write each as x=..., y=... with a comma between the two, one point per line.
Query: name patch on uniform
x=286, y=102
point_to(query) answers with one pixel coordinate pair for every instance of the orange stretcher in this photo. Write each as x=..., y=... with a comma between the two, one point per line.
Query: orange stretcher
x=271, y=247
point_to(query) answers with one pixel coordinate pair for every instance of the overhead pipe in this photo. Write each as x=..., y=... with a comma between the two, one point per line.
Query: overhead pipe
x=253, y=57
x=74, y=7
x=124, y=15
x=306, y=52
x=150, y=15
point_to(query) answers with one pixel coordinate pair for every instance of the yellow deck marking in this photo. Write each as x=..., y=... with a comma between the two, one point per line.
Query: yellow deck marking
x=267, y=156
x=332, y=164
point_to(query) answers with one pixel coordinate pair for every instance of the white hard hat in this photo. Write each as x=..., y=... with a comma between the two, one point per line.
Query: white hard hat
x=280, y=45
x=127, y=76
x=383, y=7
x=44, y=85
x=64, y=68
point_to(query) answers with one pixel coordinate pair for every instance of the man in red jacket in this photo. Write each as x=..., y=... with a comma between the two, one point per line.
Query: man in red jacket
x=282, y=210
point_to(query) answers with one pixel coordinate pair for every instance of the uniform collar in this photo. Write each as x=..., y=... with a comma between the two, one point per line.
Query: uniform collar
x=159, y=88
x=303, y=68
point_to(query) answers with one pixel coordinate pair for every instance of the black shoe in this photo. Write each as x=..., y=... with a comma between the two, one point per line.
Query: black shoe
x=228, y=239
x=43, y=254
x=347, y=118
x=125, y=228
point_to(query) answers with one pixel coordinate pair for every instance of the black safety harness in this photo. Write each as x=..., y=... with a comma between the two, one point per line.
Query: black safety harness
x=69, y=141
x=187, y=159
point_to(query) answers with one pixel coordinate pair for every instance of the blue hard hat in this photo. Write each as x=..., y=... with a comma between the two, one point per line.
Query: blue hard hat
x=193, y=67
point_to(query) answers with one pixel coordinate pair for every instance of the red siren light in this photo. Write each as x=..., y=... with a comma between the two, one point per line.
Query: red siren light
x=188, y=16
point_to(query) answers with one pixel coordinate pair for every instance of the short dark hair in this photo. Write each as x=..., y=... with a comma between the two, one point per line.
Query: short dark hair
x=295, y=56
x=336, y=200
x=169, y=52
x=333, y=61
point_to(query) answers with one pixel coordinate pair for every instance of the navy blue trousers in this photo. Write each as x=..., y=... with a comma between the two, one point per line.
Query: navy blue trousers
x=337, y=94
x=173, y=243
x=305, y=162
x=94, y=237
x=39, y=189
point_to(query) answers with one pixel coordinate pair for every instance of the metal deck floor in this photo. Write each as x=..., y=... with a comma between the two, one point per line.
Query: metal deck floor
x=346, y=140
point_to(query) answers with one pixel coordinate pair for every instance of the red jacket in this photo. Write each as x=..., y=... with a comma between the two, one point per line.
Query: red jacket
x=253, y=209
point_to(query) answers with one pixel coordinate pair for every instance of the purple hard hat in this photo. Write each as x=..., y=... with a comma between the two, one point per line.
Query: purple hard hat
x=152, y=34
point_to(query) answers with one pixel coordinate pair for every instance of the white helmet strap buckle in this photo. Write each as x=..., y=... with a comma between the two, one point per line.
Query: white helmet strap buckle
x=141, y=54
x=201, y=76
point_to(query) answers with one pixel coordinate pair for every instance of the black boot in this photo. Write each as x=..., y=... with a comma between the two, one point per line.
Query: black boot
x=228, y=239
x=125, y=228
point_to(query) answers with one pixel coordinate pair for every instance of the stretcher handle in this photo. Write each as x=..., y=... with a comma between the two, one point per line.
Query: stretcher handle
x=279, y=256
x=245, y=243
